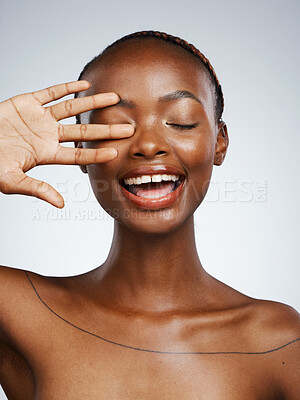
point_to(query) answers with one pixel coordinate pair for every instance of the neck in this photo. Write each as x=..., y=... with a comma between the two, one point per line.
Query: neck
x=146, y=272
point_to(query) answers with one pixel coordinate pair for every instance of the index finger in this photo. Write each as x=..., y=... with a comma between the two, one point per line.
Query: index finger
x=70, y=108
x=58, y=91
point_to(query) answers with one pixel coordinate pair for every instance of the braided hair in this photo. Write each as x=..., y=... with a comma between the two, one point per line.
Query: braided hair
x=173, y=40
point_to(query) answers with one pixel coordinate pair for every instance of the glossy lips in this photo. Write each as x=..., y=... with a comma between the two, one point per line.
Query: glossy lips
x=156, y=203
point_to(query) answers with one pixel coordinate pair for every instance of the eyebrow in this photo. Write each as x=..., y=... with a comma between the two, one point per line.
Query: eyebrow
x=177, y=95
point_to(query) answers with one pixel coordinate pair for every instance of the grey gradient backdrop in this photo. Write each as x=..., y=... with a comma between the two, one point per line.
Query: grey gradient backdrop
x=248, y=227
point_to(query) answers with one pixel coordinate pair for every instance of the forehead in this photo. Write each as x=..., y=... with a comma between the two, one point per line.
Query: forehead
x=150, y=68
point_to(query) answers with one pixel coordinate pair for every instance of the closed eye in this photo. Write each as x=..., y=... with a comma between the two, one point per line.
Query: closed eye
x=182, y=127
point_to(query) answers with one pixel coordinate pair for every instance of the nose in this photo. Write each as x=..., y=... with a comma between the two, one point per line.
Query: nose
x=148, y=142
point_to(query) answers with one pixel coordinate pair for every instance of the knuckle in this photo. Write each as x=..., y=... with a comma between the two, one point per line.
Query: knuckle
x=99, y=154
x=78, y=155
x=42, y=187
x=35, y=96
x=51, y=92
x=110, y=131
x=83, y=131
x=67, y=88
x=68, y=107
x=93, y=100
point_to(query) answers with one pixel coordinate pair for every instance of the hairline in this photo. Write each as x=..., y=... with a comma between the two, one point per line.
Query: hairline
x=97, y=60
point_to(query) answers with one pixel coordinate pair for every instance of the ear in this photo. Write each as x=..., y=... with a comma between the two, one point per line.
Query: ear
x=82, y=167
x=221, y=143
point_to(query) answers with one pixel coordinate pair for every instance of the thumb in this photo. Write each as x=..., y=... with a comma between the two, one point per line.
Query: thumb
x=20, y=183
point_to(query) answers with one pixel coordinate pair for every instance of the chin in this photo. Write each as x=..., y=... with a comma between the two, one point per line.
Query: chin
x=153, y=222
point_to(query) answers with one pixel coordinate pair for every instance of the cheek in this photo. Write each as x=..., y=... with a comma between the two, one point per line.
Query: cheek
x=198, y=157
x=196, y=151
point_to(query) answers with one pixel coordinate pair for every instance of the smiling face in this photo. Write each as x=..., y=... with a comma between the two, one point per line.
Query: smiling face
x=167, y=96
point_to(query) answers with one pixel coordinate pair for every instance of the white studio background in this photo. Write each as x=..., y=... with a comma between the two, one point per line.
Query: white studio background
x=248, y=227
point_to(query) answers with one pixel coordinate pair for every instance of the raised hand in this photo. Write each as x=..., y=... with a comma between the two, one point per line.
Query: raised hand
x=30, y=135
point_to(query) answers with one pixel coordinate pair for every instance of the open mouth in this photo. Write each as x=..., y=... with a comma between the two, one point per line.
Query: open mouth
x=153, y=186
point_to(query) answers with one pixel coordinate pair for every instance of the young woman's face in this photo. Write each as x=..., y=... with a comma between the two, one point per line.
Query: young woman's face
x=176, y=131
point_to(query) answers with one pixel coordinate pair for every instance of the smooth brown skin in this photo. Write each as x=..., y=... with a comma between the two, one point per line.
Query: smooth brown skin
x=152, y=292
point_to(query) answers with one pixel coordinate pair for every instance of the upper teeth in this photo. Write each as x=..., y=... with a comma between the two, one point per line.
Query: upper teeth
x=138, y=180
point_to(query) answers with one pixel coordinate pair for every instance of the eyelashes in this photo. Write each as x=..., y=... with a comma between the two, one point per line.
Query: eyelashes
x=183, y=127
x=180, y=127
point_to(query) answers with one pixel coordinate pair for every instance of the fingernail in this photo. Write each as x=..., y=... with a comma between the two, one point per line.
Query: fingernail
x=113, y=97
x=85, y=83
x=113, y=153
x=126, y=129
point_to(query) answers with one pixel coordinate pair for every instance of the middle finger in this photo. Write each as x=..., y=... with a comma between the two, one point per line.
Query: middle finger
x=86, y=132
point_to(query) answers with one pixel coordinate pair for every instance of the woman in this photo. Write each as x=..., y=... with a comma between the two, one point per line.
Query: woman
x=150, y=322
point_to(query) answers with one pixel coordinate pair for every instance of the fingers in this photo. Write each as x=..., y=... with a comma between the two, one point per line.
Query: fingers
x=80, y=156
x=86, y=132
x=58, y=91
x=19, y=183
x=72, y=107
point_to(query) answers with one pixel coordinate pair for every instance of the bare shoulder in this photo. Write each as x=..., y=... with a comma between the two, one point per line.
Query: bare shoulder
x=13, y=287
x=10, y=280
x=17, y=332
x=22, y=291
x=16, y=291
x=275, y=328
x=266, y=323
x=13, y=366
x=278, y=320
x=272, y=325
x=9, y=272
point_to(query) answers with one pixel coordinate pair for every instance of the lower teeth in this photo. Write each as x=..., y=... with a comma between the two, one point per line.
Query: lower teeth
x=130, y=189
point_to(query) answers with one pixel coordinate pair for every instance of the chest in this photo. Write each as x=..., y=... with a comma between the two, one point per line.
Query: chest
x=74, y=358
x=77, y=366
